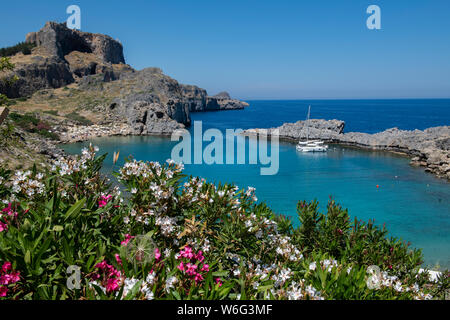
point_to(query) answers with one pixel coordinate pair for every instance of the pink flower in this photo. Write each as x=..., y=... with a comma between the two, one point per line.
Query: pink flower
x=14, y=277
x=6, y=266
x=219, y=282
x=205, y=268
x=101, y=265
x=181, y=266
x=187, y=253
x=198, y=278
x=3, y=291
x=119, y=261
x=191, y=269
x=110, y=277
x=157, y=254
x=200, y=256
x=103, y=201
x=8, y=210
x=127, y=239
x=112, y=285
x=3, y=227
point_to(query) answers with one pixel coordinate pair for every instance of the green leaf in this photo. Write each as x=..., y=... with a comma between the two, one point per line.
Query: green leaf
x=75, y=209
x=58, y=228
x=27, y=257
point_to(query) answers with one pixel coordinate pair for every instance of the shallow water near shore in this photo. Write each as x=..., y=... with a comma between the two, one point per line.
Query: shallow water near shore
x=414, y=205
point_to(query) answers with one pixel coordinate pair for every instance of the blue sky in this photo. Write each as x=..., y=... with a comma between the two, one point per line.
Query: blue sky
x=276, y=49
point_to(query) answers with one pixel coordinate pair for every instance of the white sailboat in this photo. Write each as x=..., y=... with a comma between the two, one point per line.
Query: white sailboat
x=311, y=145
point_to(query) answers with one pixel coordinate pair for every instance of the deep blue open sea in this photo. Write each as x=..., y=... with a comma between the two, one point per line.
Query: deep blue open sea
x=414, y=205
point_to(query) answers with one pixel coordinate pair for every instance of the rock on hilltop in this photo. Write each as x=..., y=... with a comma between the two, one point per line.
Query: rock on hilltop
x=61, y=57
x=58, y=40
x=429, y=148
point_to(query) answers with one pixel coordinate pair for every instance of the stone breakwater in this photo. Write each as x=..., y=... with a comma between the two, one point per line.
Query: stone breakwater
x=429, y=148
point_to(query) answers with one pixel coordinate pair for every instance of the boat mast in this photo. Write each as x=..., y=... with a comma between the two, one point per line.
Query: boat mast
x=307, y=124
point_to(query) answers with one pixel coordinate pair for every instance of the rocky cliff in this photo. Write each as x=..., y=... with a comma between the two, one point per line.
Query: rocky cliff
x=429, y=148
x=57, y=40
x=62, y=56
x=147, y=101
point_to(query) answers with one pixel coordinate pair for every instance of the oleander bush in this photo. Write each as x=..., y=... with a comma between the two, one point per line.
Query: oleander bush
x=30, y=123
x=169, y=236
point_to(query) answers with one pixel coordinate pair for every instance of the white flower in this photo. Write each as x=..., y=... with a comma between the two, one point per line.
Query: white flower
x=170, y=283
x=285, y=274
x=150, y=278
x=398, y=286
x=149, y=295
x=312, y=266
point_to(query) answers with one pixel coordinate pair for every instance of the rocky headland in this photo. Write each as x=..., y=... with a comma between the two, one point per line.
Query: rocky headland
x=80, y=86
x=429, y=148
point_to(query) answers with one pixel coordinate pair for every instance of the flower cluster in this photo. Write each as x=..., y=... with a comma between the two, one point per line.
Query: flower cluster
x=8, y=276
x=6, y=215
x=104, y=199
x=69, y=166
x=28, y=184
x=384, y=280
x=145, y=287
x=110, y=278
x=326, y=264
x=299, y=291
x=192, y=264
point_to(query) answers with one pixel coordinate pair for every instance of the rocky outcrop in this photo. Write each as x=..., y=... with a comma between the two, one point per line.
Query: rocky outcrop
x=200, y=101
x=61, y=57
x=35, y=74
x=218, y=103
x=222, y=95
x=154, y=103
x=429, y=148
x=58, y=40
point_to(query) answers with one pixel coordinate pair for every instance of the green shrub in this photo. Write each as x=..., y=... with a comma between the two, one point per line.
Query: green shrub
x=30, y=123
x=23, y=47
x=178, y=237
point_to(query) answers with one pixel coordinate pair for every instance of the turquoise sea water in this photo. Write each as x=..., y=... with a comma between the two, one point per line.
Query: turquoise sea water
x=414, y=205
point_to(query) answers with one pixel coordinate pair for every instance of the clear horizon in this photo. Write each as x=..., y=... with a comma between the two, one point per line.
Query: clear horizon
x=270, y=50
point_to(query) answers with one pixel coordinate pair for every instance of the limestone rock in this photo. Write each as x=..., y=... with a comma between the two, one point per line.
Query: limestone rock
x=58, y=40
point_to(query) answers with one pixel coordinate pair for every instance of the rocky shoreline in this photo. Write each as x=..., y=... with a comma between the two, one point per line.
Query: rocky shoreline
x=429, y=148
